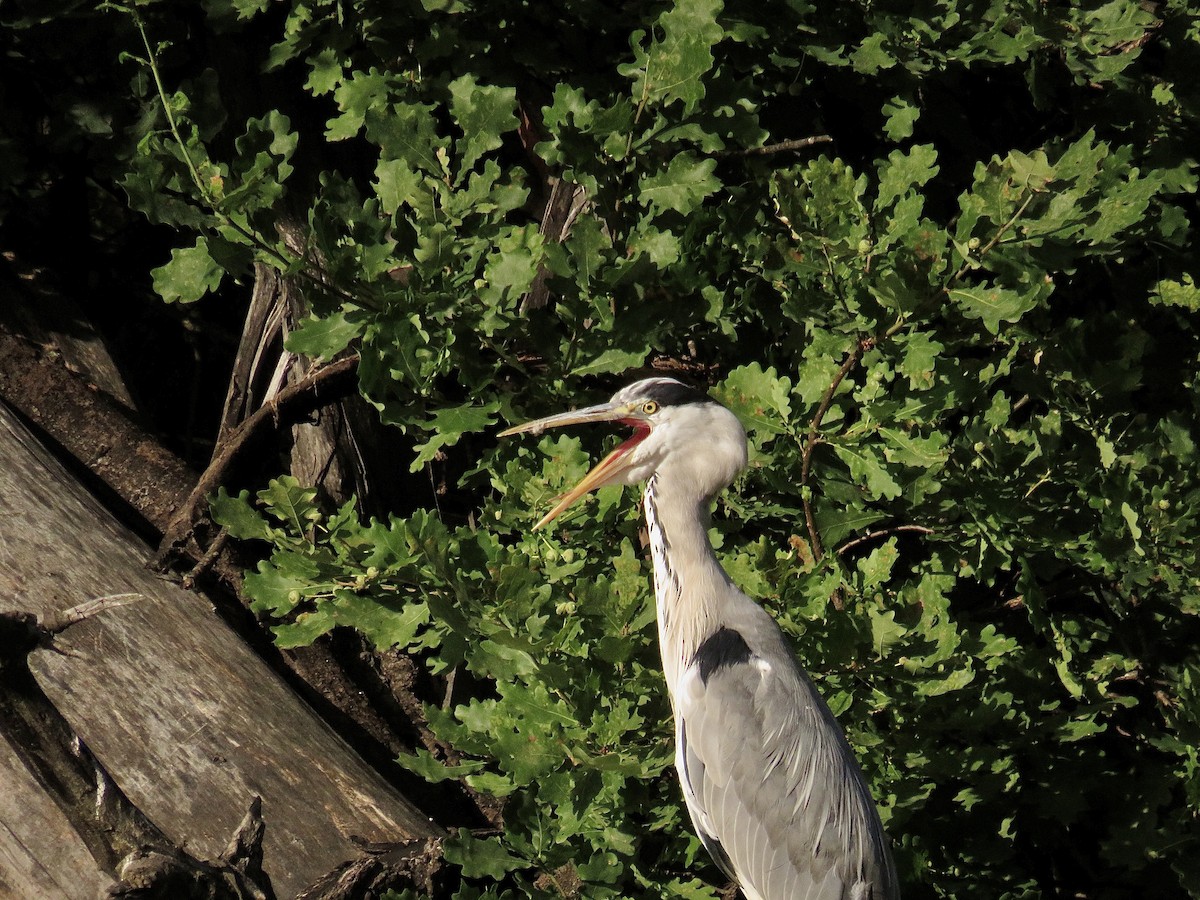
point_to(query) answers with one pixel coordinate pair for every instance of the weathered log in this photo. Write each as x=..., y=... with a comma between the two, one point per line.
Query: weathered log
x=49, y=317
x=41, y=853
x=187, y=720
x=92, y=427
x=379, y=715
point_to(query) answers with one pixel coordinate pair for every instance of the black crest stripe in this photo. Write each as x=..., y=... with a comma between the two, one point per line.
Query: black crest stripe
x=674, y=393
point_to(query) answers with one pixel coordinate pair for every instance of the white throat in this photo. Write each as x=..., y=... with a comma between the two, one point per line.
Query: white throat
x=684, y=567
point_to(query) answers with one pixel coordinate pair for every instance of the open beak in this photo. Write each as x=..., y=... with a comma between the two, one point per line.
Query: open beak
x=609, y=468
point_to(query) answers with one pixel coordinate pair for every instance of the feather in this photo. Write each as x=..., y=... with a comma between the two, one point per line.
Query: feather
x=768, y=779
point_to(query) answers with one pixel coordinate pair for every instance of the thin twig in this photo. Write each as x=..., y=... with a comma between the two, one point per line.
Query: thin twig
x=811, y=442
x=213, y=205
x=449, y=697
x=882, y=532
x=206, y=561
x=769, y=149
x=57, y=622
x=987, y=248
x=152, y=63
x=318, y=388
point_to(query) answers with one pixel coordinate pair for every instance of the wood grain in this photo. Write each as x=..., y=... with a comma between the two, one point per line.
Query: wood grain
x=188, y=721
x=41, y=855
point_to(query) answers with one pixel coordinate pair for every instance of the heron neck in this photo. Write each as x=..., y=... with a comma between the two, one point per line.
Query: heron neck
x=690, y=587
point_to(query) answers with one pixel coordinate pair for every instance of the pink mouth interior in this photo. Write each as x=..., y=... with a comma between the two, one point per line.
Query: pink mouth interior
x=641, y=431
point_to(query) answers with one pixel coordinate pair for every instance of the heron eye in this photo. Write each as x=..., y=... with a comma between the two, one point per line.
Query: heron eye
x=649, y=407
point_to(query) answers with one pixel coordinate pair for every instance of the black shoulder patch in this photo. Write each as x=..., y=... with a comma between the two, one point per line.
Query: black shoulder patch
x=669, y=392
x=723, y=649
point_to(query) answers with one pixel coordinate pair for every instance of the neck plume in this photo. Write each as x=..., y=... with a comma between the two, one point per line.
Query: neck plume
x=689, y=584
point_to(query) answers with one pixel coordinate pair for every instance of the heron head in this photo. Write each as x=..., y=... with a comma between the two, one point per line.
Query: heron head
x=678, y=432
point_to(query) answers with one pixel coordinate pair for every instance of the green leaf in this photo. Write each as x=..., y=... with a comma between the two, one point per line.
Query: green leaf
x=612, y=360
x=484, y=113
x=358, y=93
x=876, y=568
x=661, y=246
x=912, y=450
x=291, y=503
x=326, y=71
x=900, y=118
x=480, y=858
x=1131, y=520
x=905, y=172
x=433, y=770
x=409, y=132
x=993, y=305
x=323, y=337
x=380, y=620
x=760, y=398
x=681, y=187
x=280, y=587
x=886, y=632
x=955, y=681
x=398, y=184
x=237, y=516
x=1081, y=729
x=672, y=67
x=871, y=57
x=1183, y=294
x=510, y=270
x=449, y=425
x=866, y=469
x=305, y=629
x=191, y=273
x=835, y=524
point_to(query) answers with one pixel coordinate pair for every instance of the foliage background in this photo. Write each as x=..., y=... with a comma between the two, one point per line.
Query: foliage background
x=962, y=334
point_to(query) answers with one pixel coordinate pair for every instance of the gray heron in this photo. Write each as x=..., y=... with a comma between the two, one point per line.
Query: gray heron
x=771, y=784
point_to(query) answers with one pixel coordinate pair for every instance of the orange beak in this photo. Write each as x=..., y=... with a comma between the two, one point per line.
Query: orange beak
x=604, y=472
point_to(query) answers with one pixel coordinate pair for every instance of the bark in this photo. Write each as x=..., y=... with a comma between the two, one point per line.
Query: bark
x=149, y=488
x=41, y=853
x=189, y=723
x=565, y=203
x=50, y=318
x=148, y=481
x=342, y=449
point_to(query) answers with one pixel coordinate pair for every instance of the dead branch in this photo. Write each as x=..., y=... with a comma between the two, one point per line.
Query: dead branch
x=60, y=622
x=882, y=532
x=321, y=386
x=770, y=149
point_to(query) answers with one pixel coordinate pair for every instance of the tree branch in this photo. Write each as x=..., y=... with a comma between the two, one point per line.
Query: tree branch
x=995, y=239
x=812, y=440
x=318, y=388
x=871, y=535
x=770, y=149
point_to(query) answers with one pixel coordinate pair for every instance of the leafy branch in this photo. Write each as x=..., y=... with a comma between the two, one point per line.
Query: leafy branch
x=810, y=444
x=213, y=204
x=994, y=240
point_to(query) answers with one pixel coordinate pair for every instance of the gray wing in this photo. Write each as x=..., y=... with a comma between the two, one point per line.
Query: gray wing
x=772, y=786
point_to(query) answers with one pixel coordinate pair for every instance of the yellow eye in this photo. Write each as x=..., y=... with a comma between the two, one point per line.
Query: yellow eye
x=649, y=407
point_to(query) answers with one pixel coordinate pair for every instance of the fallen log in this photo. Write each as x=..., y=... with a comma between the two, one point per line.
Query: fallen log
x=187, y=721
